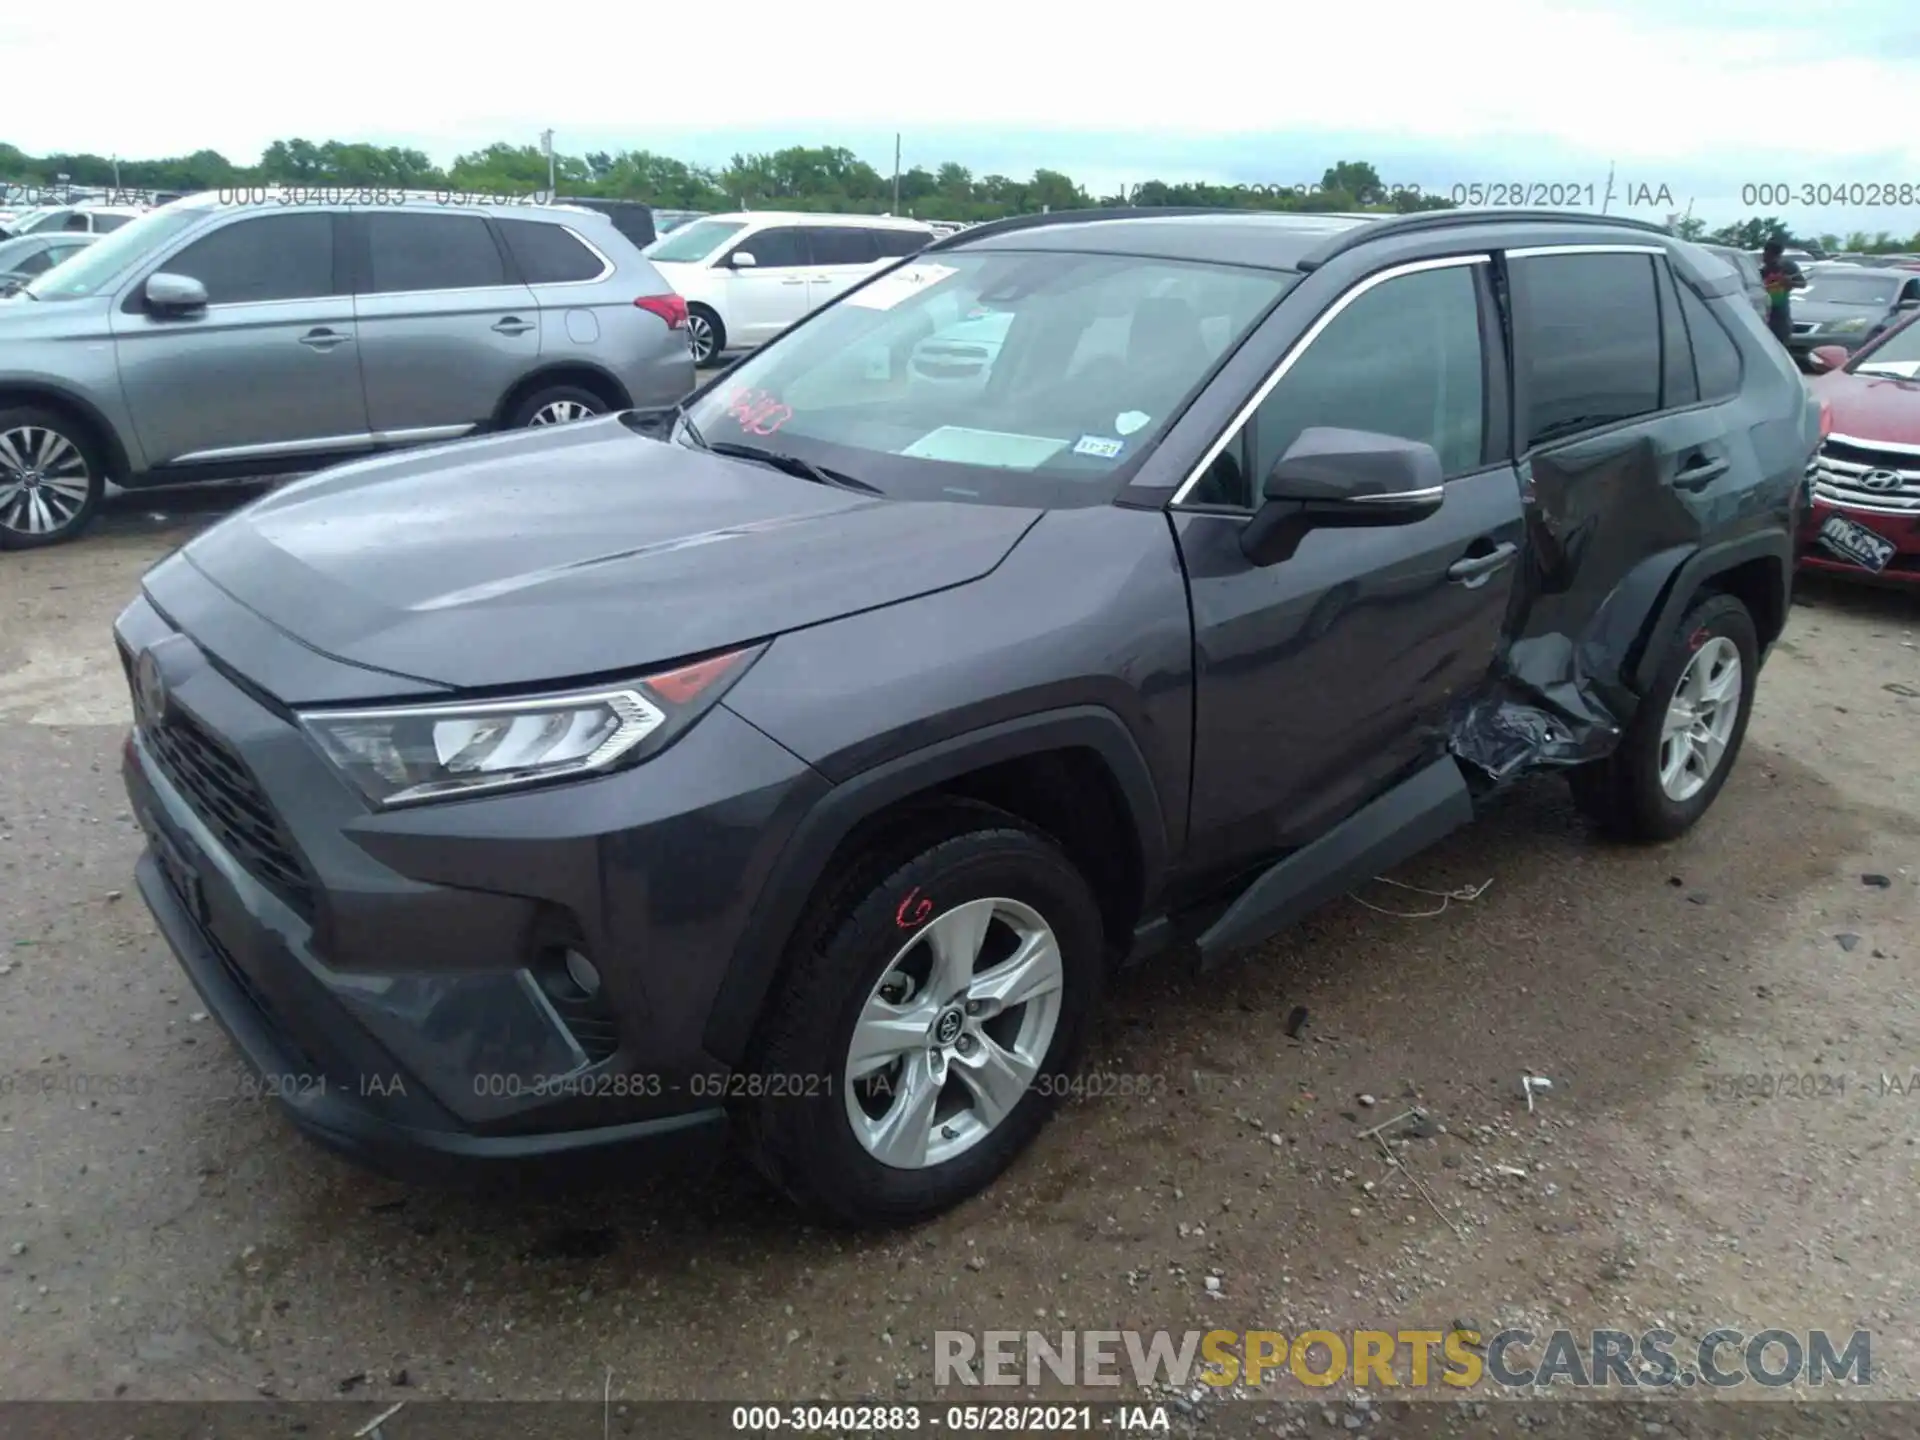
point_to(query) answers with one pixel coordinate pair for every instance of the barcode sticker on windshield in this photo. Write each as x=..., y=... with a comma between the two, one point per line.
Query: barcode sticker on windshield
x=889, y=290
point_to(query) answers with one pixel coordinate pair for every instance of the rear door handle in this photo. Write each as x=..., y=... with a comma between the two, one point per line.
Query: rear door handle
x=794, y=280
x=321, y=338
x=1476, y=570
x=1701, y=473
x=513, y=325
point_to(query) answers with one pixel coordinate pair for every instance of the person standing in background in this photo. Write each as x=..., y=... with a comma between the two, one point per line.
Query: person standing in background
x=1781, y=277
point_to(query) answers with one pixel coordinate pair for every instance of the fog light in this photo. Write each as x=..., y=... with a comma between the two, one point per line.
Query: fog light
x=580, y=970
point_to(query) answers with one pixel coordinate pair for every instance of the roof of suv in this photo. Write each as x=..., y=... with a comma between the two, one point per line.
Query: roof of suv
x=417, y=200
x=821, y=217
x=1274, y=240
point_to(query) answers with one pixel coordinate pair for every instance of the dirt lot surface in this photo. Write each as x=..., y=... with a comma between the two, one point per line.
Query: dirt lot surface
x=181, y=1242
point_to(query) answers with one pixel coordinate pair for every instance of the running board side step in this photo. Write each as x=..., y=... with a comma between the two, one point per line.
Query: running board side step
x=1419, y=811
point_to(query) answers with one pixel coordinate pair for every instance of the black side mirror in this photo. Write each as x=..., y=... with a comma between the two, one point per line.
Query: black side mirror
x=1341, y=478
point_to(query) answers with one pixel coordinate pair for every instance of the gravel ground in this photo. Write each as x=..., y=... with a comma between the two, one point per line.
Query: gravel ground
x=181, y=1242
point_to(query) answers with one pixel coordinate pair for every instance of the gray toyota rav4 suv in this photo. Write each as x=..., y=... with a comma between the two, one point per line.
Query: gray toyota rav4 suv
x=797, y=764
x=264, y=331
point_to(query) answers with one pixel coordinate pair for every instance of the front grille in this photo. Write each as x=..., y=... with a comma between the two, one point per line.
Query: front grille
x=1857, y=476
x=223, y=794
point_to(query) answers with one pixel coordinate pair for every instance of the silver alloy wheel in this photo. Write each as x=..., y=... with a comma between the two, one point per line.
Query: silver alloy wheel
x=945, y=1046
x=44, y=480
x=1700, y=719
x=700, y=336
x=560, y=412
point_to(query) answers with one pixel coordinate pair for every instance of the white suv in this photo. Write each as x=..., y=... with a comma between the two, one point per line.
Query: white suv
x=747, y=277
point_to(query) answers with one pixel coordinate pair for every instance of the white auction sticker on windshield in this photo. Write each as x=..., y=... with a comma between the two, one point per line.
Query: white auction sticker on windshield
x=889, y=290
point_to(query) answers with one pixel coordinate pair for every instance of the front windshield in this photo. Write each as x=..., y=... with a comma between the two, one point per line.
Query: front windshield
x=1017, y=377
x=1898, y=354
x=101, y=262
x=1842, y=289
x=688, y=243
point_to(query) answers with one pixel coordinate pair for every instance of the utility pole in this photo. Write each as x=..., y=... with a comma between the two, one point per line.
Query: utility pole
x=546, y=144
x=116, y=175
x=896, y=172
x=1609, y=195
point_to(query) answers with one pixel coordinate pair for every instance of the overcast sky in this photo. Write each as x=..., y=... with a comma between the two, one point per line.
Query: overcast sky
x=1703, y=98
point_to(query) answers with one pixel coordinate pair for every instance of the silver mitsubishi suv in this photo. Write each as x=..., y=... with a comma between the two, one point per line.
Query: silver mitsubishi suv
x=260, y=332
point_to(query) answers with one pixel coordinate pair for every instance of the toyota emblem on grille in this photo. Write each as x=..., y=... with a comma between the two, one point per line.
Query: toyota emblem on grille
x=149, y=689
x=1881, y=480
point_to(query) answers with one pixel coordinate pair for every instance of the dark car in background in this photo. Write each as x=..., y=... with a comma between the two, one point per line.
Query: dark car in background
x=1849, y=306
x=26, y=256
x=1865, y=519
x=630, y=218
x=801, y=762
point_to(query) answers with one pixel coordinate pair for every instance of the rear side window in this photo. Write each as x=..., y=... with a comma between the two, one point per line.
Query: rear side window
x=842, y=245
x=430, y=252
x=1715, y=355
x=266, y=257
x=548, y=254
x=1589, y=342
x=891, y=243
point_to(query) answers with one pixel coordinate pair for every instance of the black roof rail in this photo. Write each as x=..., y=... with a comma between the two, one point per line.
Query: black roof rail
x=1450, y=219
x=1074, y=217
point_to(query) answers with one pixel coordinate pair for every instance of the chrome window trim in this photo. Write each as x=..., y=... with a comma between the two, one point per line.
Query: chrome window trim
x=1531, y=251
x=1300, y=347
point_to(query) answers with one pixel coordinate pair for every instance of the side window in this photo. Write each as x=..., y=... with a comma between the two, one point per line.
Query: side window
x=1678, y=385
x=775, y=247
x=78, y=220
x=891, y=244
x=40, y=260
x=265, y=257
x=1715, y=355
x=1589, y=342
x=103, y=223
x=842, y=245
x=548, y=254
x=1403, y=359
x=430, y=252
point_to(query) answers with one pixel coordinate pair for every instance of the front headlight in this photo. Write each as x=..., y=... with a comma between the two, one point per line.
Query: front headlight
x=412, y=753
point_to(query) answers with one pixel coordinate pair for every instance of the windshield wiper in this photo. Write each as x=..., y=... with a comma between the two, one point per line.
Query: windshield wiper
x=794, y=465
x=681, y=414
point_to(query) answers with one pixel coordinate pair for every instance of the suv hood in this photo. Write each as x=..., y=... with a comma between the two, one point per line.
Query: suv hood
x=1873, y=408
x=1826, y=312
x=579, y=550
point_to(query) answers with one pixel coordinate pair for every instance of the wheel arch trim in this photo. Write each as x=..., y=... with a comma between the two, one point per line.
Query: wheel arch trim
x=803, y=861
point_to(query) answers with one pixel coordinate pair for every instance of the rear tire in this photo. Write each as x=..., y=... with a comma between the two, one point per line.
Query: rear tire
x=1680, y=748
x=706, y=336
x=51, y=478
x=868, y=965
x=556, y=405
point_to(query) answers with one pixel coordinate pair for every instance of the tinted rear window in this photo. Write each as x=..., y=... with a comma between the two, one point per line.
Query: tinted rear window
x=1590, y=338
x=431, y=252
x=548, y=254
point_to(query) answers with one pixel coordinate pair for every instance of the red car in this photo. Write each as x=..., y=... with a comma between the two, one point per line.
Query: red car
x=1864, y=519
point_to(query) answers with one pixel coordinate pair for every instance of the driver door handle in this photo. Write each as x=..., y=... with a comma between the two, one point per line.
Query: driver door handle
x=321, y=338
x=513, y=325
x=1700, y=472
x=1476, y=570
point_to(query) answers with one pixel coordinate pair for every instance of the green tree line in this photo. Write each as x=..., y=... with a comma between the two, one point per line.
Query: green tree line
x=800, y=177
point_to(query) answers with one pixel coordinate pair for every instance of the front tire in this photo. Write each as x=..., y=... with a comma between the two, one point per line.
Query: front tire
x=932, y=1007
x=51, y=478
x=1685, y=737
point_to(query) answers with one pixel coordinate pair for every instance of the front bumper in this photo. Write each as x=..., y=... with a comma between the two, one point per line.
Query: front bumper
x=385, y=973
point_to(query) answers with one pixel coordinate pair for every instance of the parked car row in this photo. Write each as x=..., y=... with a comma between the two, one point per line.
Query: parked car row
x=26, y=256
x=208, y=339
x=84, y=219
